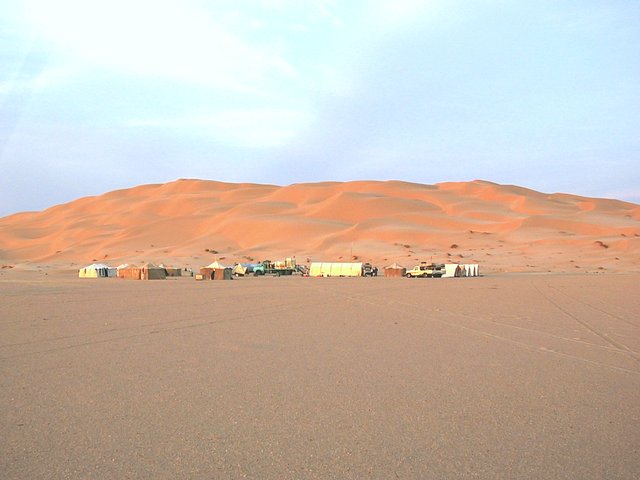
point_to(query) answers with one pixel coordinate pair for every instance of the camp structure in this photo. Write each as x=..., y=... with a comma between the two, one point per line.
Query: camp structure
x=471, y=269
x=239, y=270
x=242, y=269
x=216, y=271
x=129, y=271
x=97, y=270
x=394, y=270
x=148, y=271
x=453, y=270
x=461, y=270
x=331, y=269
x=172, y=271
x=122, y=267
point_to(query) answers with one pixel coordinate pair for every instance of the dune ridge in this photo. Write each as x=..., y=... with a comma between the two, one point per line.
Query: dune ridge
x=190, y=222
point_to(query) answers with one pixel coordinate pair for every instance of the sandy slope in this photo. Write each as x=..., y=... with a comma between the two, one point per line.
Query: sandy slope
x=502, y=227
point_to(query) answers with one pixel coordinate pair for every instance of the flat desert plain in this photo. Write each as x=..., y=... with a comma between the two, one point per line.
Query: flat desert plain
x=505, y=376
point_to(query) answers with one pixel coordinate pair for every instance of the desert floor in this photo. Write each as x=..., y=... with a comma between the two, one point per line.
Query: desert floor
x=510, y=376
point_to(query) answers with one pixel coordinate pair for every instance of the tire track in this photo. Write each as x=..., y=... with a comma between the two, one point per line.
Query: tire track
x=181, y=324
x=540, y=349
x=601, y=310
x=587, y=326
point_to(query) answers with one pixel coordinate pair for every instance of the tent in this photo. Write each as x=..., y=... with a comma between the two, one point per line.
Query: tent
x=97, y=270
x=453, y=270
x=153, y=272
x=471, y=269
x=215, y=265
x=222, y=274
x=335, y=269
x=172, y=271
x=148, y=271
x=216, y=271
x=394, y=270
x=129, y=271
x=240, y=270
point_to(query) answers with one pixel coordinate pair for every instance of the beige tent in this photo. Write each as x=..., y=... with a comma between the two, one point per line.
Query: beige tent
x=394, y=270
x=216, y=271
x=216, y=265
x=335, y=269
x=148, y=271
x=239, y=270
x=131, y=272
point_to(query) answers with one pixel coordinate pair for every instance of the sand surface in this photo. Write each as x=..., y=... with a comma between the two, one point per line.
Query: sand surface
x=509, y=376
x=190, y=223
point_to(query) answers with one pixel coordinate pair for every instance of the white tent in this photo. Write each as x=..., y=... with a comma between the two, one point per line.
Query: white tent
x=470, y=269
x=97, y=270
x=335, y=269
x=452, y=270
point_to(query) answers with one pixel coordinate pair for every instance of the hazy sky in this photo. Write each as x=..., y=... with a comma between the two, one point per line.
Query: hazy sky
x=99, y=95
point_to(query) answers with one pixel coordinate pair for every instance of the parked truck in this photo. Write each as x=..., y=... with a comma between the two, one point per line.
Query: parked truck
x=277, y=268
x=426, y=270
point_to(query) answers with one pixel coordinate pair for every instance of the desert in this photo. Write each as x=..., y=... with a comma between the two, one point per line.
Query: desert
x=499, y=376
x=319, y=240
x=529, y=370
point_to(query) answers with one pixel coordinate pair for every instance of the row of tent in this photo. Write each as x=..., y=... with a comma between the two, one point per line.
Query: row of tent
x=217, y=271
x=147, y=271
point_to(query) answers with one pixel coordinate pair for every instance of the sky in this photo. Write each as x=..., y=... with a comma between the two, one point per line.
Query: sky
x=97, y=96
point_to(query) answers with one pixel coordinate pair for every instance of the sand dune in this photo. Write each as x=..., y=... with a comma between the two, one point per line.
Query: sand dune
x=189, y=222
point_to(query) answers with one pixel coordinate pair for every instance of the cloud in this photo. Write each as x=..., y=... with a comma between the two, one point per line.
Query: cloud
x=246, y=128
x=157, y=38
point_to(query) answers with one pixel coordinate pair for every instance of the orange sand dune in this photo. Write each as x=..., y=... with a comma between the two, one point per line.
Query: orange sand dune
x=192, y=222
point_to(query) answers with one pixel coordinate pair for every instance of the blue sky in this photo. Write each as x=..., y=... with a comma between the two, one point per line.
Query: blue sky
x=96, y=96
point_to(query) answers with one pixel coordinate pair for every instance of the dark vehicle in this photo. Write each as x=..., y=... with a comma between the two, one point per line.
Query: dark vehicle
x=369, y=270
